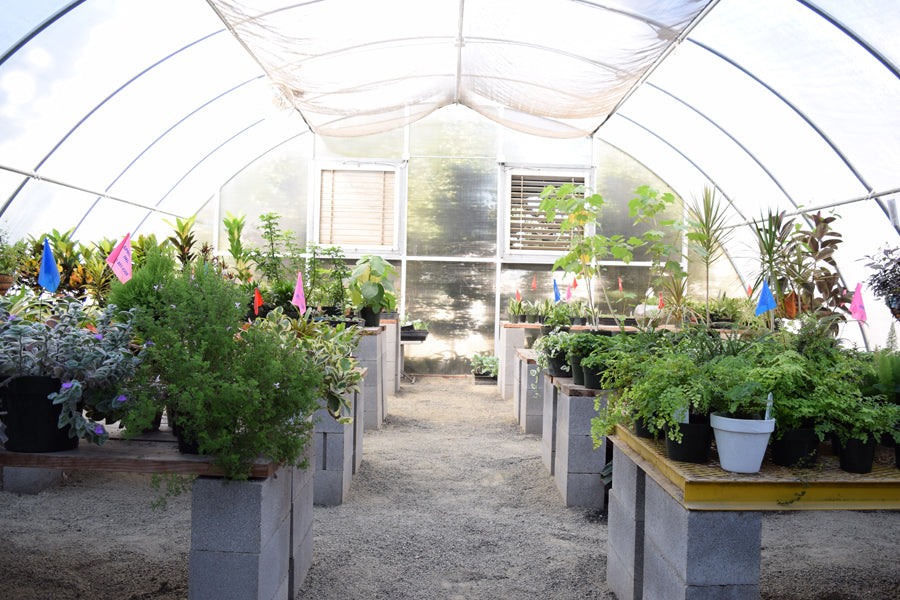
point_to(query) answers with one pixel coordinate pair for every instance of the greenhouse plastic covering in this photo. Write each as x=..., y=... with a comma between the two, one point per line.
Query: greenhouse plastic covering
x=135, y=112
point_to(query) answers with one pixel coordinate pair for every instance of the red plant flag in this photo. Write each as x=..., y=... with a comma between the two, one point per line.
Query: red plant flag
x=575, y=284
x=620, y=284
x=299, y=300
x=661, y=303
x=534, y=282
x=257, y=301
x=119, y=260
x=857, y=309
x=750, y=290
x=518, y=296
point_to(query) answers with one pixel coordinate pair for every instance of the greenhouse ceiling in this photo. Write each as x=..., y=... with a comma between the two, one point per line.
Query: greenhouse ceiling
x=138, y=111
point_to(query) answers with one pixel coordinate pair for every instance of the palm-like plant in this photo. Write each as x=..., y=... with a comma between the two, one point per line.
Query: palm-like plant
x=707, y=232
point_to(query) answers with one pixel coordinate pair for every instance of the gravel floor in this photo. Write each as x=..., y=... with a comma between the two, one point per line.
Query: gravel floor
x=451, y=501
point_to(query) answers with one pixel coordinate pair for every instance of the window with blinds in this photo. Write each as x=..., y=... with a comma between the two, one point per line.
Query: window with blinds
x=528, y=225
x=357, y=208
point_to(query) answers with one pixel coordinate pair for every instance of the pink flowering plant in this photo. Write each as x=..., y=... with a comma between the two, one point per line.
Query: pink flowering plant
x=91, y=353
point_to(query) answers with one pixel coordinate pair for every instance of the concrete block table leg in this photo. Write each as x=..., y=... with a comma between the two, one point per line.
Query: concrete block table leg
x=240, y=538
x=578, y=467
x=548, y=428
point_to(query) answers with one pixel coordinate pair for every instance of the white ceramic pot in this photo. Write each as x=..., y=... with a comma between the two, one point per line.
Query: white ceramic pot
x=741, y=442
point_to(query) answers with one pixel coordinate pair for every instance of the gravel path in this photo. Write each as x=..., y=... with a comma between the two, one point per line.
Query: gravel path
x=451, y=501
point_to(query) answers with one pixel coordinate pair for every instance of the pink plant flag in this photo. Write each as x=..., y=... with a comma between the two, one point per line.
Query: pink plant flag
x=119, y=260
x=857, y=310
x=299, y=300
x=569, y=293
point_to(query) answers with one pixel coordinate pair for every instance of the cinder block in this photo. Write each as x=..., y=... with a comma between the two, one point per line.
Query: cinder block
x=618, y=578
x=703, y=548
x=625, y=483
x=339, y=451
x=548, y=432
x=533, y=424
x=517, y=385
x=238, y=516
x=320, y=456
x=300, y=562
x=580, y=489
x=358, y=429
x=582, y=457
x=224, y=575
x=301, y=539
x=330, y=487
x=577, y=411
x=28, y=480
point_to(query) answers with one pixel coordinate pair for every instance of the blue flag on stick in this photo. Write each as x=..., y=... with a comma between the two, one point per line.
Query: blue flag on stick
x=766, y=300
x=49, y=273
x=556, y=291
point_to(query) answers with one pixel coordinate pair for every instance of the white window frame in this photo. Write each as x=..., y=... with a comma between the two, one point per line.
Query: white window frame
x=315, y=208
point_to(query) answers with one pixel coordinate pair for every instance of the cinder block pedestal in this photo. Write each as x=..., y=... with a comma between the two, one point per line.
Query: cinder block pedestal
x=359, y=426
x=334, y=459
x=529, y=391
x=658, y=549
x=512, y=337
x=391, y=348
x=370, y=354
x=549, y=398
x=241, y=538
x=578, y=466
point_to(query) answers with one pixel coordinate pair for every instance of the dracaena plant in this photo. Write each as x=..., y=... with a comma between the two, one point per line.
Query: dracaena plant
x=92, y=354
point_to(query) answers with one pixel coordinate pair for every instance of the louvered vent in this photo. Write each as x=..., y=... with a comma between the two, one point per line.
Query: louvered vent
x=528, y=225
x=357, y=208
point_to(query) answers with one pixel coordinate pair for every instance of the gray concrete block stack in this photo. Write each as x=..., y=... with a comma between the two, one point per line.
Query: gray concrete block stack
x=370, y=354
x=251, y=539
x=549, y=398
x=578, y=466
x=531, y=403
x=334, y=459
x=511, y=339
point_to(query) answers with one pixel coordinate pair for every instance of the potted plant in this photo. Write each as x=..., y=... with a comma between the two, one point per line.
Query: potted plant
x=532, y=310
x=66, y=362
x=415, y=330
x=551, y=353
x=556, y=318
x=11, y=256
x=580, y=347
x=516, y=311
x=885, y=281
x=234, y=392
x=371, y=289
x=485, y=368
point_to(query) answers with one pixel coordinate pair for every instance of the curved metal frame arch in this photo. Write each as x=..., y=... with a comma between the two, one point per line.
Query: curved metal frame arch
x=731, y=203
x=91, y=112
x=157, y=139
x=37, y=30
x=197, y=164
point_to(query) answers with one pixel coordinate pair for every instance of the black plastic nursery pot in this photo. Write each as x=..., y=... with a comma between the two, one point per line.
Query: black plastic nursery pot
x=641, y=429
x=484, y=378
x=696, y=440
x=556, y=364
x=592, y=378
x=371, y=318
x=416, y=335
x=856, y=456
x=796, y=448
x=576, y=370
x=31, y=419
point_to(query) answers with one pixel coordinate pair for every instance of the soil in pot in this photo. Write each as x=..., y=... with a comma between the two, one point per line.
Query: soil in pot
x=796, y=448
x=857, y=456
x=696, y=440
x=31, y=419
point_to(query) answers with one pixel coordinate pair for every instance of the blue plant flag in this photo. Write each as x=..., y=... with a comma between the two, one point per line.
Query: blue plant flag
x=766, y=300
x=556, y=295
x=49, y=273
